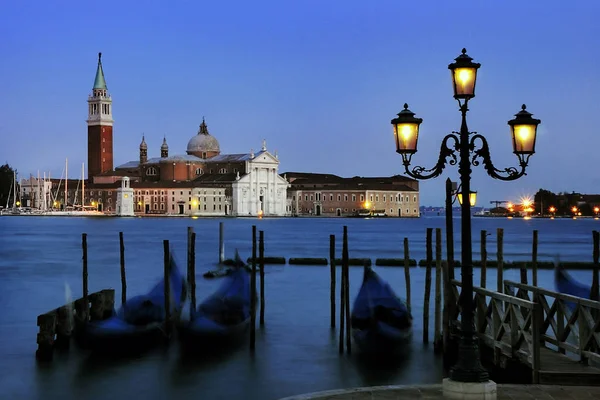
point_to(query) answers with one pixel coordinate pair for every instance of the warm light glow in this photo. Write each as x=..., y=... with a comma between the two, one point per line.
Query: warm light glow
x=56, y=204
x=574, y=209
x=93, y=203
x=552, y=209
x=194, y=202
x=139, y=203
x=596, y=209
x=406, y=136
x=510, y=205
x=472, y=198
x=524, y=138
x=126, y=195
x=18, y=203
x=260, y=214
x=527, y=202
x=367, y=205
x=464, y=79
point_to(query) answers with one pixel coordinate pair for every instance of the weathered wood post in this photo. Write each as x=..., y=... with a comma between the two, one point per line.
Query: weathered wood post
x=437, y=335
x=332, y=270
x=500, y=258
x=167, y=278
x=449, y=230
x=483, y=258
x=45, y=337
x=123, y=277
x=595, y=295
x=407, y=270
x=427, y=292
x=346, y=268
x=85, y=277
x=253, y=292
x=534, y=254
x=192, y=273
x=221, y=242
x=64, y=316
x=342, y=301
x=261, y=260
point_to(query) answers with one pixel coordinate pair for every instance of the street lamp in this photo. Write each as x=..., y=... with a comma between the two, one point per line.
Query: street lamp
x=472, y=198
x=466, y=148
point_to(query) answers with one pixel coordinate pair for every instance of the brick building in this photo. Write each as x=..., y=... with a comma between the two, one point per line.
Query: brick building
x=331, y=195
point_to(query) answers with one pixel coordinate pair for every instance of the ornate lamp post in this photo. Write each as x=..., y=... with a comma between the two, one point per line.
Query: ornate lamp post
x=466, y=148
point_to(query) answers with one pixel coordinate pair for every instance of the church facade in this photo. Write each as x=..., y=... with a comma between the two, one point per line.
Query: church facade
x=200, y=182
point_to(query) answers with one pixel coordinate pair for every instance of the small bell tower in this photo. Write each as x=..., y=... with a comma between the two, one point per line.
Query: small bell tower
x=143, y=151
x=100, y=126
x=164, y=148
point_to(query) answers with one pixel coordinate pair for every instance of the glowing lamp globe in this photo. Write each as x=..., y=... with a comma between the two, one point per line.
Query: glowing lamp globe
x=464, y=76
x=406, y=131
x=472, y=198
x=524, y=132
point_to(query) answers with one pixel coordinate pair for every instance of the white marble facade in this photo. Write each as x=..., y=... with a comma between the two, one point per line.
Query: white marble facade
x=262, y=191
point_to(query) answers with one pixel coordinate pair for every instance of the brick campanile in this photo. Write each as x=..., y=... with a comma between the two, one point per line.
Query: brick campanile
x=100, y=126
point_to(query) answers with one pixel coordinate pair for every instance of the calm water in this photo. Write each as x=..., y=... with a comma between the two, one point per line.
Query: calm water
x=295, y=352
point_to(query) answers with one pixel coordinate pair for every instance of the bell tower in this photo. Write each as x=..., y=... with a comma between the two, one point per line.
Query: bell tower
x=100, y=126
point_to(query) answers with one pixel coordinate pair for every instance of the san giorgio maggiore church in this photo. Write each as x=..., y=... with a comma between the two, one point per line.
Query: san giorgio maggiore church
x=205, y=182
x=202, y=182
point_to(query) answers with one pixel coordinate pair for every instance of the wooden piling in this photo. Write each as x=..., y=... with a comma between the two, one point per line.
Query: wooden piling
x=192, y=273
x=45, y=337
x=437, y=335
x=85, y=276
x=167, y=289
x=342, y=304
x=534, y=254
x=427, y=292
x=500, y=258
x=64, y=316
x=221, y=242
x=595, y=294
x=253, y=292
x=123, y=277
x=332, y=270
x=449, y=230
x=523, y=273
x=483, y=258
x=346, y=269
x=261, y=260
x=407, y=271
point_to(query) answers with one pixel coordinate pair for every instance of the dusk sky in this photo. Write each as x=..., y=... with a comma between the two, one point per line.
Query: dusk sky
x=319, y=80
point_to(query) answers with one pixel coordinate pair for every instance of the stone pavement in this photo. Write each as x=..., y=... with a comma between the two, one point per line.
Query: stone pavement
x=431, y=392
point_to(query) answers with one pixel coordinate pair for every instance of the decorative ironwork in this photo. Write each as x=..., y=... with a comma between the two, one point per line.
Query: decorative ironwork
x=483, y=153
x=446, y=152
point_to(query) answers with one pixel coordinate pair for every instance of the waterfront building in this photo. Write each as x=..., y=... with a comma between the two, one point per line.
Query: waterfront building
x=201, y=182
x=332, y=195
x=35, y=193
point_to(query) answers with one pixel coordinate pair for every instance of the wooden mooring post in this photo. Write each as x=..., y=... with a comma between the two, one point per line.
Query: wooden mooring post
x=191, y=268
x=332, y=273
x=427, y=292
x=346, y=273
x=167, y=289
x=595, y=295
x=407, y=271
x=85, y=275
x=253, y=292
x=500, y=258
x=438, y=345
x=261, y=264
x=483, y=258
x=534, y=254
x=123, y=277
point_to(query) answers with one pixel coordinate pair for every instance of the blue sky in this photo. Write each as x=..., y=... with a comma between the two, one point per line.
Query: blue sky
x=319, y=80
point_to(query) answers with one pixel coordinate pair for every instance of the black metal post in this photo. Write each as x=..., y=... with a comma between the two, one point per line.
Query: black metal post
x=468, y=368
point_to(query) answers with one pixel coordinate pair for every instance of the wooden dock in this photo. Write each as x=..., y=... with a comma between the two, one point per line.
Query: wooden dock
x=555, y=336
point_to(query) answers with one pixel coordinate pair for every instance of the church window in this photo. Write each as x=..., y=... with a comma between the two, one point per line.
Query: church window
x=415, y=199
x=199, y=171
x=151, y=172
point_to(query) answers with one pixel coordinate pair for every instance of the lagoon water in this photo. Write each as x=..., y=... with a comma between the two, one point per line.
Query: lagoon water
x=296, y=351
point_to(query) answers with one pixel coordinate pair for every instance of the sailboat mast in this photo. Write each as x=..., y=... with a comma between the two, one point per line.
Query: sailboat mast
x=15, y=189
x=38, y=200
x=66, y=182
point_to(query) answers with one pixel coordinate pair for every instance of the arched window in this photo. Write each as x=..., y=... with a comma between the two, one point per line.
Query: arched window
x=199, y=171
x=151, y=171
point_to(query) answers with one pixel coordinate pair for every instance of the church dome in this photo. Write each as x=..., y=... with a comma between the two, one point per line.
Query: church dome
x=203, y=142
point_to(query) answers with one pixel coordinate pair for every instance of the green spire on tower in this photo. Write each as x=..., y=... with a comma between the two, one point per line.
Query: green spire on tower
x=99, y=82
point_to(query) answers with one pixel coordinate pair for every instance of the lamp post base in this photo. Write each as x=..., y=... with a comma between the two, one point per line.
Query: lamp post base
x=468, y=390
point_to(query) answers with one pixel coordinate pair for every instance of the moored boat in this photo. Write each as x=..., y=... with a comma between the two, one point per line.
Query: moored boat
x=224, y=316
x=381, y=321
x=140, y=323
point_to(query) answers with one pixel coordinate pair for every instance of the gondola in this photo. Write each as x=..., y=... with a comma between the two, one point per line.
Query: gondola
x=567, y=285
x=224, y=316
x=140, y=322
x=381, y=321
